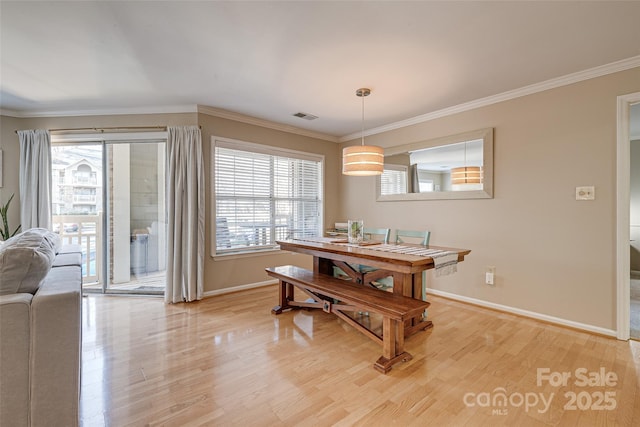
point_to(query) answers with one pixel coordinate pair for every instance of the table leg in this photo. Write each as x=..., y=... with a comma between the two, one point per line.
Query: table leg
x=323, y=265
x=402, y=284
x=416, y=291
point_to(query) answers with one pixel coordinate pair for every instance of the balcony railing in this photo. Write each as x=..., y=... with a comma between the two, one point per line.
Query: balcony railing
x=77, y=180
x=84, y=198
x=86, y=231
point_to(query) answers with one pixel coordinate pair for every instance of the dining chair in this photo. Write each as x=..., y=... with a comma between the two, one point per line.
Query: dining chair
x=409, y=236
x=406, y=236
x=370, y=234
x=385, y=283
x=377, y=234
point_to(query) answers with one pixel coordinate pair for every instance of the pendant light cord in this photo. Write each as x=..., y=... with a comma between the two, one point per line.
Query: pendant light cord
x=362, y=130
x=465, y=155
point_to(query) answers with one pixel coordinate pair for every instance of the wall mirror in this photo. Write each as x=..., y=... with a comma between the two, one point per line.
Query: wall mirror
x=452, y=167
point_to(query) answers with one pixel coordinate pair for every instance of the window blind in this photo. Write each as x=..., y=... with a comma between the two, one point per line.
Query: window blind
x=393, y=181
x=263, y=197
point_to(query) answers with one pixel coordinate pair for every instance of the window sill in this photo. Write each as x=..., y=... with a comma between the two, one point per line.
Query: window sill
x=248, y=254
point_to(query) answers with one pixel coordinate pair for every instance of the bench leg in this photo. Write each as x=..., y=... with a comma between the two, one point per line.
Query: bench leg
x=285, y=294
x=392, y=345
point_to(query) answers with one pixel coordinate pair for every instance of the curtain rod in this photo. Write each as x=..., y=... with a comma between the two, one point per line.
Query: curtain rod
x=103, y=129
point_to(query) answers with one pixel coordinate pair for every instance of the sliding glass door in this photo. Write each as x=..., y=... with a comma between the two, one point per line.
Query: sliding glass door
x=109, y=198
x=77, y=204
x=136, y=222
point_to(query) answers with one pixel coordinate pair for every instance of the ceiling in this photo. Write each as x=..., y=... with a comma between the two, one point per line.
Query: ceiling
x=269, y=60
x=443, y=158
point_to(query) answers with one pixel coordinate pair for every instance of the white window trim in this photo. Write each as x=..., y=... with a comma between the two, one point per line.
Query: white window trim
x=218, y=141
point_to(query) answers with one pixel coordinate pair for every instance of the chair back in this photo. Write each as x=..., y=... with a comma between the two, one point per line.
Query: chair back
x=377, y=234
x=402, y=236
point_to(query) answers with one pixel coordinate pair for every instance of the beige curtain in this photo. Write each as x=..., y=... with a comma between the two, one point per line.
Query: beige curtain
x=414, y=185
x=35, y=179
x=185, y=211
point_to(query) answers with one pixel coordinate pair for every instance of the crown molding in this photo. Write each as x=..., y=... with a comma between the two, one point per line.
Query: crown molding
x=230, y=115
x=568, y=79
x=173, y=109
x=9, y=113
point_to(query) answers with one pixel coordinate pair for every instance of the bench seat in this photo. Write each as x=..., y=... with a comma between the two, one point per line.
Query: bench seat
x=337, y=296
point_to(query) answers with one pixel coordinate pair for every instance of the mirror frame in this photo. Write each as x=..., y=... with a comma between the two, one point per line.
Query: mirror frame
x=487, y=158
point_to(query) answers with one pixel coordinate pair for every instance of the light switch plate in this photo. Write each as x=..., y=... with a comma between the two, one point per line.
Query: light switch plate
x=585, y=193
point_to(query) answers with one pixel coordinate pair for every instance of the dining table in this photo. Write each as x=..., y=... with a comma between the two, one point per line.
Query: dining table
x=404, y=262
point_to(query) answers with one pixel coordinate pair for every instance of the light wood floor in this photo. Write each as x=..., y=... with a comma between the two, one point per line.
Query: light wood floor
x=226, y=361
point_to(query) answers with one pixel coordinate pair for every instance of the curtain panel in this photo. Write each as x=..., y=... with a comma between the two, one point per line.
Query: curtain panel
x=35, y=178
x=185, y=212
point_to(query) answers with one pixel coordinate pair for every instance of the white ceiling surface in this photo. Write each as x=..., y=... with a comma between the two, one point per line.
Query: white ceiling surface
x=271, y=59
x=445, y=157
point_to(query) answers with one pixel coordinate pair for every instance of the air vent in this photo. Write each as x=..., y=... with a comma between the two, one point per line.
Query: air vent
x=306, y=116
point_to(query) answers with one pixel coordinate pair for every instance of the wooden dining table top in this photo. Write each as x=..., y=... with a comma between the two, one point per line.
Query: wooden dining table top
x=367, y=253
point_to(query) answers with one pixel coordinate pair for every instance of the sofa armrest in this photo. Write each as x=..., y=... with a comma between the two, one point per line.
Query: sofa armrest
x=15, y=312
x=56, y=340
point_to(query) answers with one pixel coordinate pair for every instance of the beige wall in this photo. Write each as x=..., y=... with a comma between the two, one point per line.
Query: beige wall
x=10, y=167
x=223, y=272
x=553, y=255
x=11, y=146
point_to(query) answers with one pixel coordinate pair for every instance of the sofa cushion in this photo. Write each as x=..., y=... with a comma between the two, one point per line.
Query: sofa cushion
x=71, y=258
x=68, y=254
x=69, y=248
x=25, y=260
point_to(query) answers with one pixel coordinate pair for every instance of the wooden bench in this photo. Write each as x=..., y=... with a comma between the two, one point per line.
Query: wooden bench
x=336, y=296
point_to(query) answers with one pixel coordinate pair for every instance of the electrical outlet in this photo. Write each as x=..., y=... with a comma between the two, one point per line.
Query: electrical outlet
x=585, y=193
x=490, y=276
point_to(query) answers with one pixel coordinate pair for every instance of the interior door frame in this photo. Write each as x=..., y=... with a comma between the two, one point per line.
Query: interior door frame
x=623, y=234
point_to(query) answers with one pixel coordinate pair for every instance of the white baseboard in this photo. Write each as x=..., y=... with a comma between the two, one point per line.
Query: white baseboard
x=525, y=313
x=238, y=288
x=455, y=297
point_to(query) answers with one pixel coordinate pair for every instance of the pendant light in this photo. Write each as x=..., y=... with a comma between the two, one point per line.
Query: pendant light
x=362, y=160
x=466, y=174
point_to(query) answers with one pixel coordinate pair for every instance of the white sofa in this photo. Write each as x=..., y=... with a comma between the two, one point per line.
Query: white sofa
x=40, y=331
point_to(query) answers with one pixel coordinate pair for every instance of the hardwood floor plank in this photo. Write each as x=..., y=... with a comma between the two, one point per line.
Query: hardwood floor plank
x=228, y=361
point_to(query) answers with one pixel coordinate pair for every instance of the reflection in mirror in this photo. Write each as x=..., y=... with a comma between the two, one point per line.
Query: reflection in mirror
x=454, y=167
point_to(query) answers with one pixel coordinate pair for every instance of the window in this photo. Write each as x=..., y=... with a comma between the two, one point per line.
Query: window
x=393, y=180
x=426, y=185
x=264, y=194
